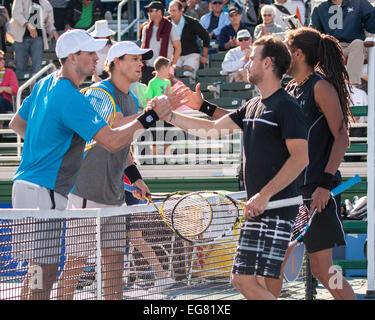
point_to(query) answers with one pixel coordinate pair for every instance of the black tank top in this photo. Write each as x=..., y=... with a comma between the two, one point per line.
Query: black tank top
x=319, y=136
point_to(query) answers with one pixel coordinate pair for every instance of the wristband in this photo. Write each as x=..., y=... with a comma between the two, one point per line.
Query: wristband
x=326, y=181
x=132, y=173
x=207, y=108
x=148, y=118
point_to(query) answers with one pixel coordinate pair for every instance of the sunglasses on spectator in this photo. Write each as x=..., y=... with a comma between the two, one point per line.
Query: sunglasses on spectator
x=152, y=10
x=244, y=39
x=217, y=3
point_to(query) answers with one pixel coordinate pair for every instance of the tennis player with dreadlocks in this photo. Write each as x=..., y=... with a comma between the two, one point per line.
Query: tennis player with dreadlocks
x=320, y=86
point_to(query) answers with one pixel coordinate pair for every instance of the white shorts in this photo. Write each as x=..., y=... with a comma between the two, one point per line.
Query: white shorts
x=191, y=60
x=80, y=235
x=39, y=240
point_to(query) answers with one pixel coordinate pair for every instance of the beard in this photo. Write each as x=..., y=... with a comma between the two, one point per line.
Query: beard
x=254, y=78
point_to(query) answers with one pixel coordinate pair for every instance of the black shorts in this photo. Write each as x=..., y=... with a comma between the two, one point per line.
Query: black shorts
x=262, y=246
x=326, y=230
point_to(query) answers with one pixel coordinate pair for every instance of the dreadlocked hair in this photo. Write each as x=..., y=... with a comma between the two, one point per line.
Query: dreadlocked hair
x=324, y=54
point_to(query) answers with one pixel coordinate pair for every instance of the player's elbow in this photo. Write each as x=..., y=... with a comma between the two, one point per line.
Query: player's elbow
x=301, y=159
x=107, y=138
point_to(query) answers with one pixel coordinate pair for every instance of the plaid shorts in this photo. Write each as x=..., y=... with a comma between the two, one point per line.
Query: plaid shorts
x=262, y=246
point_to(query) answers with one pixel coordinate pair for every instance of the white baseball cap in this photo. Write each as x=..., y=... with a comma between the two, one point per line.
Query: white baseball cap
x=243, y=33
x=76, y=40
x=128, y=47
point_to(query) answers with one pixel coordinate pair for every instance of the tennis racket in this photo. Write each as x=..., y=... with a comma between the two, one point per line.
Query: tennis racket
x=103, y=103
x=204, y=216
x=303, y=221
x=165, y=204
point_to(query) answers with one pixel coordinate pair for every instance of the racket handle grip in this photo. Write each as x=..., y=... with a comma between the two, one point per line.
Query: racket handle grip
x=128, y=187
x=298, y=200
x=346, y=185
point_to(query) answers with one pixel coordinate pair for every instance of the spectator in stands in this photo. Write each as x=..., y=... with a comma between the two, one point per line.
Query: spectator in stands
x=250, y=15
x=350, y=30
x=190, y=9
x=60, y=12
x=8, y=87
x=236, y=58
x=268, y=13
x=189, y=30
x=215, y=20
x=82, y=14
x=30, y=22
x=102, y=31
x=4, y=18
x=160, y=35
x=286, y=8
x=158, y=85
x=202, y=7
x=227, y=39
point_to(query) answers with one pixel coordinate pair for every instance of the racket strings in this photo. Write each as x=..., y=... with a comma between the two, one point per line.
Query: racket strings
x=103, y=104
x=205, y=216
x=167, y=206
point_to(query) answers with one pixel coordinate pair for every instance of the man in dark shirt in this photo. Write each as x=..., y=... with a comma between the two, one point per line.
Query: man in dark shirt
x=347, y=21
x=275, y=149
x=189, y=30
x=227, y=39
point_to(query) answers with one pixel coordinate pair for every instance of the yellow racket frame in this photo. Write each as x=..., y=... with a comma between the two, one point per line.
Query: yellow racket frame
x=83, y=91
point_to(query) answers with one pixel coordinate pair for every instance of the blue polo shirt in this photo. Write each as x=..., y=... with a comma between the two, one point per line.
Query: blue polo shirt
x=59, y=122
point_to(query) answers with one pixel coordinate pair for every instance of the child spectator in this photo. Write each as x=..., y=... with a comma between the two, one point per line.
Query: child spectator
x=159, y=83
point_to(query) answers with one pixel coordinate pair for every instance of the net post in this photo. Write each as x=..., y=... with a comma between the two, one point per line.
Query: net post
x=370, y=44
x=98, y=266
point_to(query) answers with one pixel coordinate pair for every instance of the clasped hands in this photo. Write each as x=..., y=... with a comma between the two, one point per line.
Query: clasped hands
x=183, y=95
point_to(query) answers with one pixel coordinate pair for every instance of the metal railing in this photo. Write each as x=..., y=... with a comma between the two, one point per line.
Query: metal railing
x=120, y=32
x=370, y=44
x=29, y=83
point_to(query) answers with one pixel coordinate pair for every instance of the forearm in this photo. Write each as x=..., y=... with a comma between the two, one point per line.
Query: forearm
x=121, y=121
x=18, y=125
x=8, y=90
x=176, y=54
x=114, y=139
x=205, y=52
x=195, y=126
x=338, y=150
x=287, y=174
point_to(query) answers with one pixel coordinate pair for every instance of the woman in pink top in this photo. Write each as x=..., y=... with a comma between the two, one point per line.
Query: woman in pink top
x=8, y=86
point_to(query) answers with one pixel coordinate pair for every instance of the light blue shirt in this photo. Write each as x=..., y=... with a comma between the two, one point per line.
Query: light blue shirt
x=223, y=21
x=180, y=25
x=59, y=121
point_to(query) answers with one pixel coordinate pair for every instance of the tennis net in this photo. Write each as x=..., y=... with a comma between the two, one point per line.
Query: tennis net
x=51, y=254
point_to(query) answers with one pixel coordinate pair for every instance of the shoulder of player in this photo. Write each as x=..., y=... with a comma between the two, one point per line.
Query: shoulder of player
x=322, y=88
x=286, y=102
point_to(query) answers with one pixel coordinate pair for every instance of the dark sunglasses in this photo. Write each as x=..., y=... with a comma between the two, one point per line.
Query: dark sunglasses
x=243, y=39
x=217, y=3
x=152, y=10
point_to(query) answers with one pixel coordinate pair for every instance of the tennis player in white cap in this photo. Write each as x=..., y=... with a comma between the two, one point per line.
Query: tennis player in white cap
x=55, y=120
